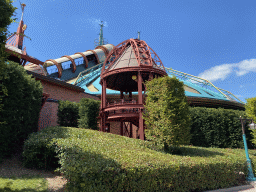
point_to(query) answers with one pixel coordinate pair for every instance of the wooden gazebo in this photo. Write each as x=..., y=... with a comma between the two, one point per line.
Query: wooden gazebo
x=126, y=69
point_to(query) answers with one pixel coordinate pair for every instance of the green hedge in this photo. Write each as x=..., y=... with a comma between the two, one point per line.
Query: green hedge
x=68, y=113
x=21, y=107
x=218, y=128
x=83, y=114
x=39, y=151
x=97, y=161
x=88, y=113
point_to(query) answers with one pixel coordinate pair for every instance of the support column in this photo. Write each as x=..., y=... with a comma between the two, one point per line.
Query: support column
x=139, y=88
x=122, y=94
x=130, y=129
x=130, y=95
x=103, y=106
x=104, y=93
x=122, y=130
x=141, y=126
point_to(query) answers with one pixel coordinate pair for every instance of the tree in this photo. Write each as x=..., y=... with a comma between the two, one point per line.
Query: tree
x=166, y=114
x=250, y=110
x=7, y=11
x=21, y=108
x=88, y=113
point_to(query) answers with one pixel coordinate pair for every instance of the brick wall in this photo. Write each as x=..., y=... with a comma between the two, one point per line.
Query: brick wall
x=48, y=114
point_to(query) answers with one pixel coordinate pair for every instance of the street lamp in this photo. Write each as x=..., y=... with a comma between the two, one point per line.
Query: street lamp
x=249, y=164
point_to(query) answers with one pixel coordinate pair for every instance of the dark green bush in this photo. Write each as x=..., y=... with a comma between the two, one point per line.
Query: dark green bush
x=88, y=113
x=39, y=149
x=68, y=114
x=21, y=108
x=218, y=128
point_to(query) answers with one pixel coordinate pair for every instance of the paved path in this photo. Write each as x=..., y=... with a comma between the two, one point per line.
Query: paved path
x=251, y=187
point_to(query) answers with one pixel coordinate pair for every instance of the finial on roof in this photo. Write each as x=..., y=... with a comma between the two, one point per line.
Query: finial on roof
x=22, y=8
x=101, y=39
x=139, y=35
x=101, y=34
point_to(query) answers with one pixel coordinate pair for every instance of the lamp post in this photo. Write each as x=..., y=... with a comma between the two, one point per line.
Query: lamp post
x=249, y=165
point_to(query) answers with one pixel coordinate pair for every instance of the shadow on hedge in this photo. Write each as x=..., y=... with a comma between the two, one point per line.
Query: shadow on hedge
x=42, y=156
x=192, y=152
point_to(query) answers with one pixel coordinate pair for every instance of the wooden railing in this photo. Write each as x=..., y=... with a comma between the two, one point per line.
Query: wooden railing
x=121, y=102
x=123, y=111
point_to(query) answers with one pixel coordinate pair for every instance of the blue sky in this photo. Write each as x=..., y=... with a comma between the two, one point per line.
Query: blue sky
x=212, y=39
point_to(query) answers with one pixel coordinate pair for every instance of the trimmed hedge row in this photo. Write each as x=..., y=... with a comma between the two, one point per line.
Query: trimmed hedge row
x=68, y=113
x=97, y=161
x=83, y=114
x=218, y=128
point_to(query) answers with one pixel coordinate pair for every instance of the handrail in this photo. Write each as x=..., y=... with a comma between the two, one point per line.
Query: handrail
x=85, y=72
x=121, y=102
x=205, y=82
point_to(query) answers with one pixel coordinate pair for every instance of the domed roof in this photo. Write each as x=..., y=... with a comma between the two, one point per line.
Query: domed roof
x=132, y=53
x=35, y=68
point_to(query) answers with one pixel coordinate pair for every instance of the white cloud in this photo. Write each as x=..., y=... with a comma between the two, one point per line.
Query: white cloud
x=222, y=71
x=246, y=66
x=217, y=72
x=96, y=23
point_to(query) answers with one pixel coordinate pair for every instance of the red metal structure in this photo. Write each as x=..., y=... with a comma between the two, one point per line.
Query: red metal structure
x=14, y=45
x=126, y=69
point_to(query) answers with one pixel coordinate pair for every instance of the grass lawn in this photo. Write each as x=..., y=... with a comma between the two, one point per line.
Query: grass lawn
x=24, y=183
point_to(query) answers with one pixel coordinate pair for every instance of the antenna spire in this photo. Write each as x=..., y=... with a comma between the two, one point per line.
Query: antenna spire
x=139, y=35
x=101, y=34
x=22, y=8
x=101, y=39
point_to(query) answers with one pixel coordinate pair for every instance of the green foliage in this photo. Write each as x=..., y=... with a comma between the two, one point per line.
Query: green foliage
x=97, y=161
x=21, y=108
x=218, y=128
x=88, y=113
x=7, y=11
x=250, y=108
x=38, y=149
x=68, y=114
x=167, y=116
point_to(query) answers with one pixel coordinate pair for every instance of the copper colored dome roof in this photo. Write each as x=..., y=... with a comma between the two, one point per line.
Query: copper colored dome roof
x=132, y=53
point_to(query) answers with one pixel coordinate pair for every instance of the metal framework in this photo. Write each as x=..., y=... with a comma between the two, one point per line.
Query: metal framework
x=202, y=82
x=72, y=61
x=14, y=45
x=88, y=73
x=116, y=74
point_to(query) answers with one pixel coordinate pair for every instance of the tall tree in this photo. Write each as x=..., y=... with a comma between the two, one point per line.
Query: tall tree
x=21, y=108
x=167, y=115
x=7, y=11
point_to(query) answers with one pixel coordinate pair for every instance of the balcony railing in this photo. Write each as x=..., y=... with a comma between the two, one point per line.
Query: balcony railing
x=123, y=111
x=121, y=102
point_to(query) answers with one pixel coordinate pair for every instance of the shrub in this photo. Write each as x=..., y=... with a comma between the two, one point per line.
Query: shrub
x=218, y=128
x=96, y=161
x=7, y=11
x=88, y=113
x=68, y=114
x=39, y=149
x=250, y=109
x=167, y=116
x=21, y=108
